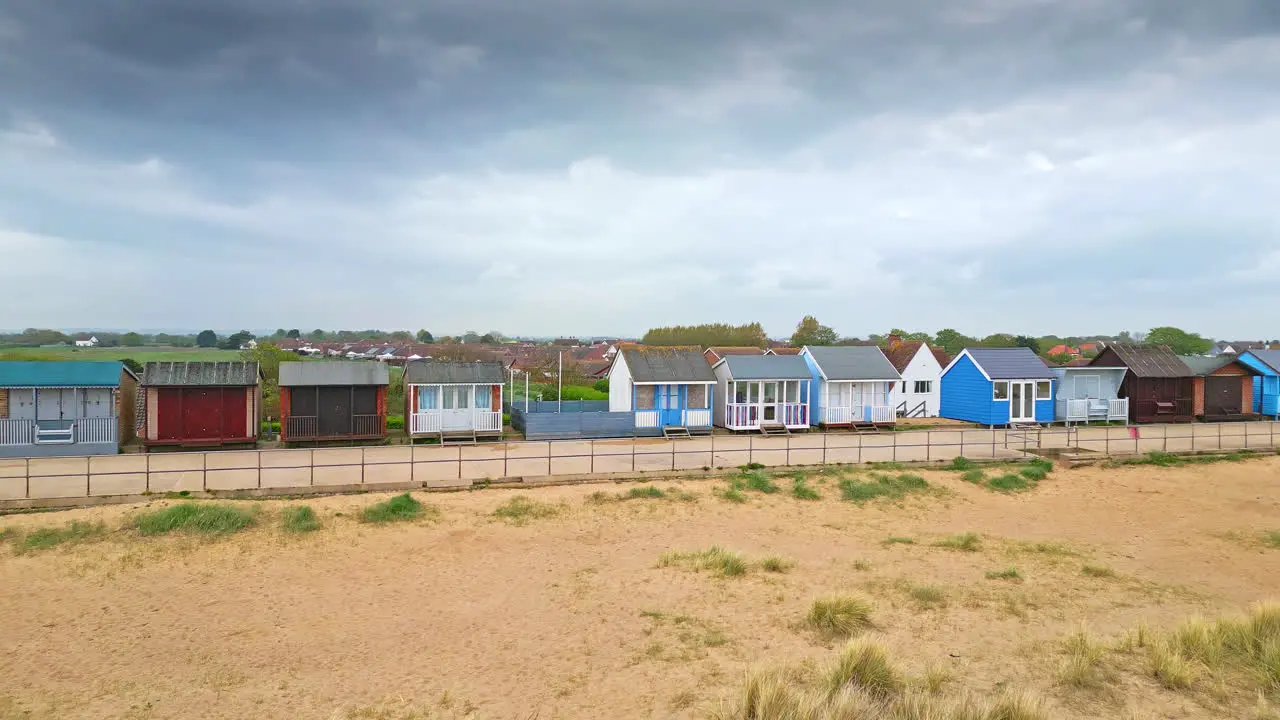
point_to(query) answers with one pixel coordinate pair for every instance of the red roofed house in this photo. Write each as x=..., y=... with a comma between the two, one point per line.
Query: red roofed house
x=716, y=354
x=918, y=394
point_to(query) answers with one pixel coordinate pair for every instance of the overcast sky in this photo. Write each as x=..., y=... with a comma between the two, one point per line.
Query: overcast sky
x=603, y=166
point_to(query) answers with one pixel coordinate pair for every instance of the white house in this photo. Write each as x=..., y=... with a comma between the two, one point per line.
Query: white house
x=919, y=393
x=91, y=342
x=852, y=385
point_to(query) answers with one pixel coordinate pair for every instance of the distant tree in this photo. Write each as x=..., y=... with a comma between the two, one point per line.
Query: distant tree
x=601, y=385
x=903, y=335
x=402, y=336
x=1059, y=358
x=708, y=335
x=279, y=333
x=488, y=339
x=269, y=358
x=952, y=341
x=293, y=334
x=317, y=334
x=131, y=339
x=1125, y=337
x=425, y=337
x=133, y=365
x=998, y=340
x=471, y=336
x=236, y=340
x=1027, y=342
x=183, y=341
x=497, y=336
x=1179, y=341
x=810, y=332
x=207, y=339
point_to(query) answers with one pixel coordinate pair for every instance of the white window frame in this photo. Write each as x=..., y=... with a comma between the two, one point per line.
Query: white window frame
x=1096, y=380
x=1048, y=390
x=996, y=387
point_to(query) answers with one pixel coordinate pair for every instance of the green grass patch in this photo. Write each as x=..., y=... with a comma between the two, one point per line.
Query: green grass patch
x=960, y=464
x=839, y=616
x=880, y=485
x=1164, y=459
x=1272, y=539
x=196, y=518
x=520, y=510
x=1034, y=474
x=801, y=490
x=644, y=492
x=48, y=537
x=1009, y=573
x=927, y=595
x=757, y=481
x=397, y=509
x=299, y=519
x=965, y=542
x=733, y=495
x=898, y=541
x=1009, y=482
x=975, y=476
x=715, y=559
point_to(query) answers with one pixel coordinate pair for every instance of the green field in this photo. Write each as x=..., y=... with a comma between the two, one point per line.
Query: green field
x=141, y=354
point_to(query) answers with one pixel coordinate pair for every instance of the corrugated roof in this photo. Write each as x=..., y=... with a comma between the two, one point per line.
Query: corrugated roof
x=333, y=372
x=667, y=364
x=1017, y=363
x=1270, y=358
x=454, y=373
x=1149, y=361
x=60, y=374
x=726, y=351
x=1208, y=365
x=768, y=367
x=853, y=362
x=205, y=374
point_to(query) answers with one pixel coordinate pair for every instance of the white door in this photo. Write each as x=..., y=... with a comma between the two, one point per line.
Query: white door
x=1022, y=402
x=455, y=413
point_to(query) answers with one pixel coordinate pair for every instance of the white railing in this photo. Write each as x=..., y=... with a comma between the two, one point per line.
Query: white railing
x=432, y=421
x=96, y=430
x=882, y=413
x=750, y=416
x=647, y=419
x=424, y=422
x=697, y=417
x=837, y=415
x=1078, y=410
x=1087, y=409
x=16, y=432
x=860, y=413
x=1118, y=409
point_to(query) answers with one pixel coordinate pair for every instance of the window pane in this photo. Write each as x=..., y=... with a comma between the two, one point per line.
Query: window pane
x=482, y=397
x=448, y=397
x=740, y=392
x=1001, y=391
x=1042, y=390
x=464, y=395
x=770, y=392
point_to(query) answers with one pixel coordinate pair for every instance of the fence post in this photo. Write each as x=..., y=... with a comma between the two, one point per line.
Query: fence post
x=928, y=446
x=26, y=470
x=204, y=472
x=824, y=448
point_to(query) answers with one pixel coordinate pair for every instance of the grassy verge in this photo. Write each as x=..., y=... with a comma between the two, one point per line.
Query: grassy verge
x=521, y=510
x=1164, y=459
x=400, y=508
x=47, y=538
x=299, y=519
x=966, y=542
x=195, y=518
x=1016, y=478
x=879, y=485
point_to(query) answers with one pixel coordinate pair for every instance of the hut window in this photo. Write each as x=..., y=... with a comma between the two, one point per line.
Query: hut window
x=4, y=404
x=697, y=397
x=482, y=397
x=1000, y=391
x=644, y=397
x=923, y=387
x=1044, y=390
x=427, y=398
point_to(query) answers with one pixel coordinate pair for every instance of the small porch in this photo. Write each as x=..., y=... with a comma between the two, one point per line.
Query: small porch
x=1087, y=410
x=672, y=405
x=857, y=403
x=443, y=409
x=59, y=421
x=757, y=404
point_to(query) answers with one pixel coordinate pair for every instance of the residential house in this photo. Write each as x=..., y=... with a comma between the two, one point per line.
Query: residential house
x=333, y=400
x=87, y=343
x=1158, y=385
x=920, y=365
x=669, y=389
x=1266, y=381
x=1068, y=350
x=997, y=386
x=65, y=408
x=853, y=385
x=453, y=399
x=1222, y=387
x=716, y=354
x=1236, y=347
x=200, y=404
x=762, y=392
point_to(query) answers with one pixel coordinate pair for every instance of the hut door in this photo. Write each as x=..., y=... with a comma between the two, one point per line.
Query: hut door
x=1022, y=401
x=168, y=412
x=1223, y=396
x=335, y=411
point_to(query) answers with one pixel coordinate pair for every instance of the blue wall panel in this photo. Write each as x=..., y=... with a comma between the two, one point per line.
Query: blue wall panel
x=966, y=395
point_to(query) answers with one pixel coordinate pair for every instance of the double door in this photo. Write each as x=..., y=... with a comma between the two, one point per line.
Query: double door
x=1022, y=402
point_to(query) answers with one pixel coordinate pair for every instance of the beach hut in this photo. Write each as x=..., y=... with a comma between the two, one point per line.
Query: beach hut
x=1158, y=385
x=65, y=408
x=1085, y=394
x=669, y=390
x=762, y=393
x=1266, y=381
x=920, y=365
x=998, y=386
x=333, y=400
x=453, y=401
x=1221, y=388
x=853, y=385
x=200, y=404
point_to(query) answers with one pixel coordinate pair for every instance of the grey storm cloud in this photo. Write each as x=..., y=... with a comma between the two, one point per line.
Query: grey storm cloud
x=576, y=166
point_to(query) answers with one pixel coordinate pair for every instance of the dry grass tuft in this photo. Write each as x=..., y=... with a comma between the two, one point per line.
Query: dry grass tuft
x=966, y=542
x=723, y=562
x=1082, y=667
x=839, y=616
x=776, y=564
x=1009, y=573
x=864, y=665
x=1098, y=571
x=521, y=510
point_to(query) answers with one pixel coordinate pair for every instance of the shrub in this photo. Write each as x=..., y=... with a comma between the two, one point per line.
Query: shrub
x=715, y=558
x=975, y=476
x=395, y=422
x=733, y=494
x=397, y=509
x=967, y=542
x=839, y=616
x=194, y=517
x=520, y=510
x=299, y=519
x=1034, y=473
x=800, y=490
x=864, y=665
x=1010, y=573
x=601, y=386
x=1008, y=482
x=880, y=485
x=46, y=538
x=961, y=464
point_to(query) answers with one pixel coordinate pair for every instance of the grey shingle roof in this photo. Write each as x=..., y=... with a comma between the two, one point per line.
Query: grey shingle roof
x=454, y=373
x=1147, y=361
x=200, y=373
x=1010, y=363
x=1208, y=365
x=767, y=367
x=662, y=365
x=853, y=362
x=333, y=372
x=1270, y=358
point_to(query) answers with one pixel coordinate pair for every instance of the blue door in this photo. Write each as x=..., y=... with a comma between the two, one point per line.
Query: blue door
x=670, y=403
